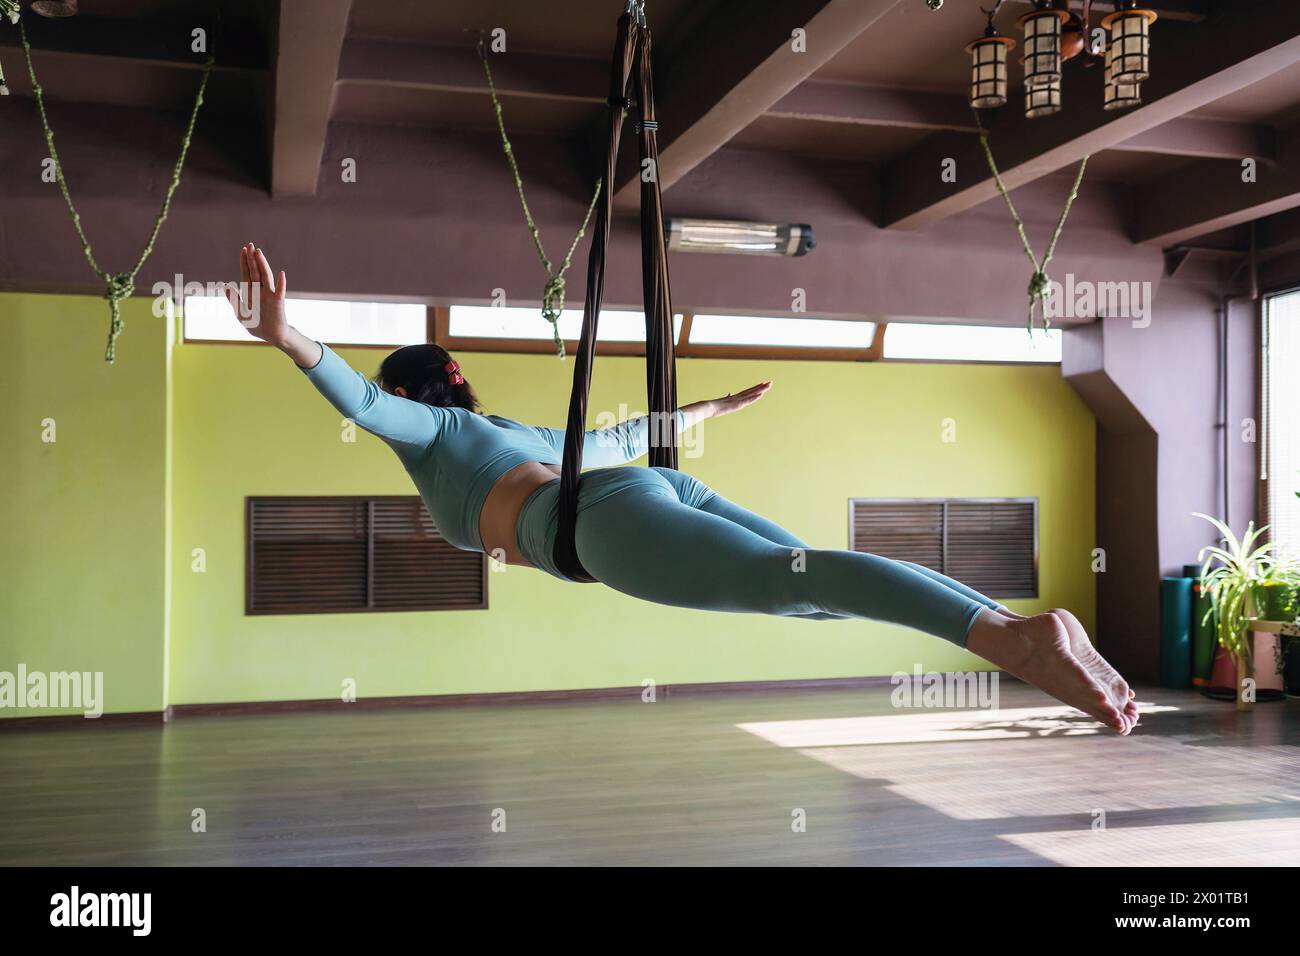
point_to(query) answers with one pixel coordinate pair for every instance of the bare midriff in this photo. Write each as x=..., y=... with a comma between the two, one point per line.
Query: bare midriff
x=500, y=515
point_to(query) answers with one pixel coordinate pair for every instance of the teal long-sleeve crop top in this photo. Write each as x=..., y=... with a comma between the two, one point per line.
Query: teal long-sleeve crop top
x=454, y=455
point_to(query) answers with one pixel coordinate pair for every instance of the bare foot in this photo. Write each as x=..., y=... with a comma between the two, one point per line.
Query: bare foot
x=1121, y=695
x=1037, y=650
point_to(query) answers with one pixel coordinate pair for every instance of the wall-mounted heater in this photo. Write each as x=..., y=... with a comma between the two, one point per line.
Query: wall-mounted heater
x=739, y=238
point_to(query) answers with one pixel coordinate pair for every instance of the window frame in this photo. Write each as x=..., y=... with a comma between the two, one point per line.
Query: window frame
x=961, y=361
x=440, y=334
x=183, y=339
x=945, y=501
x=1264, y=446
x=250, y=611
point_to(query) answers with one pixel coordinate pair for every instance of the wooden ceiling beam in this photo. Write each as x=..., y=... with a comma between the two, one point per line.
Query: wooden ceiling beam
x=737, y=65
x=162, y=42
x=1191, y=11
x=1212, y=195
x=916, y=109
x=457, y=69
x=309, y=43
x=1204, y=139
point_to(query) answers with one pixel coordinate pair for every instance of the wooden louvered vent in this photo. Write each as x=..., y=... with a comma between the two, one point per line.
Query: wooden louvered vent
x=990, y=545
x=339, y=554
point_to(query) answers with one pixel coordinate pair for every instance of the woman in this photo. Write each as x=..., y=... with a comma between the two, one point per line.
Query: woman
x=491, y=485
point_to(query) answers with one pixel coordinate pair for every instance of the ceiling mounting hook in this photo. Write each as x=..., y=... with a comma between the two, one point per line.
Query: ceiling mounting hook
x=636, y=8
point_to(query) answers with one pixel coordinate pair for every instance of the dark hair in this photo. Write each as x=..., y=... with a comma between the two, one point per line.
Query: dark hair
x=422, y=371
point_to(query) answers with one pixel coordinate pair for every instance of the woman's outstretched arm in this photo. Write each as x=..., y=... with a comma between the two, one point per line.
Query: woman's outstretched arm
x=259, y=305
x=631, y=439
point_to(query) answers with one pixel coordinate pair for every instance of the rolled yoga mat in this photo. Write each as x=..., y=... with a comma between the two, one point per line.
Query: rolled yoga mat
x=1176, y=632
x=1204, y=639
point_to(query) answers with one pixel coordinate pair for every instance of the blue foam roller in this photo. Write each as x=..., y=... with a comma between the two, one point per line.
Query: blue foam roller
x=1176, y=632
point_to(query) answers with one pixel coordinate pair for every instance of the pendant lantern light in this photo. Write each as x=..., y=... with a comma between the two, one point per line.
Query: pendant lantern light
x=1043, y=99
x=1043, y=43
x=9, y=10
x=55, y=9
x=1053, y=34
x=988, y=70
x=1119, y=96
x=1130, y=40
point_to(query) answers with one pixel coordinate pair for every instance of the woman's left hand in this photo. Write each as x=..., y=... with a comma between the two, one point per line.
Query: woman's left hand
x=734, y=403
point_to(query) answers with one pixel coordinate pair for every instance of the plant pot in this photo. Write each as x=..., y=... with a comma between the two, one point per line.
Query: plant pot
x=1228, y=677
x=1291, y=666
x=1267, y=663
x=1222, y=683
x=1276, y=601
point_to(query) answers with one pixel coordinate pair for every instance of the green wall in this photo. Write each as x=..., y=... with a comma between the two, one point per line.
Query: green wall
x=248, y=424
x=96, y=522
x=83, y=517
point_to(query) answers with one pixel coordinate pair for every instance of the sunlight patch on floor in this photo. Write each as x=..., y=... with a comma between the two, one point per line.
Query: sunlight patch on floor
x=1050, y=766
x=1066, y=777
x=1268, y=842
x=933, y=726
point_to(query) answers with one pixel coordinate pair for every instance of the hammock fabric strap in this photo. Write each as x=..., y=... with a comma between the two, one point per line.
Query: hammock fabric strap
x=660, y=353
x=631, y=50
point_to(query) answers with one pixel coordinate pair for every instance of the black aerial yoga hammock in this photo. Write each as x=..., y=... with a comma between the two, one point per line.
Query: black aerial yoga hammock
x=631, y=53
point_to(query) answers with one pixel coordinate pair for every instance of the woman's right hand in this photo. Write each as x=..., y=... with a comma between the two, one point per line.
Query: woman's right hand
x=735, y=402
x=258, y=299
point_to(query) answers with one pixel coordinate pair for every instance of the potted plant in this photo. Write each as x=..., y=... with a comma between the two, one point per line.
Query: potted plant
x=1277, y=592
x=1233, y=574
x=1279, y=600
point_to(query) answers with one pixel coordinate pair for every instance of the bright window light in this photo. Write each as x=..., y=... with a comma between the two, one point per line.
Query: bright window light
x=509, y=322
x=971, y=343
x=794, y=333
x=1281, y=427
x=326, y=320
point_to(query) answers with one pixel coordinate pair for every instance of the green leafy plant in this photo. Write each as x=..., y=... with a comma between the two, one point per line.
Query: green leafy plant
x=1277, y=595
x=1232, y=575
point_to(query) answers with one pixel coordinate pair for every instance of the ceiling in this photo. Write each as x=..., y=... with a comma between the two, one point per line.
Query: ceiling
x=882, y=82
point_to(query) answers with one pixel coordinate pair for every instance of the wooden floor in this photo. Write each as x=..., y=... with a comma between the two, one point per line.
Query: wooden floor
x=687, y=780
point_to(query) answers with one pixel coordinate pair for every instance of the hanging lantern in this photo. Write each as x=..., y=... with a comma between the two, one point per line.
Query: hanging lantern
x=1130, y=38
x=9, y=10
x=1042, y=100
x=1119, y=96
x=988, y=69
x=55, y=9
x=1043, y=44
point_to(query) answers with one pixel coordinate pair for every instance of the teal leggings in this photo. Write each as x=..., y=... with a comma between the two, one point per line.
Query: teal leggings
x=662, y=536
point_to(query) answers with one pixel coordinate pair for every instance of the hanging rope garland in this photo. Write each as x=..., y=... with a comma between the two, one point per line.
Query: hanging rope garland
x=553, y=292
x=118, y=285
x=1039, y=283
